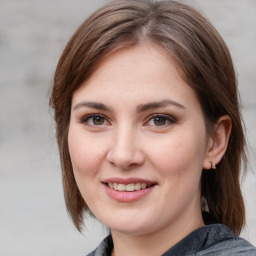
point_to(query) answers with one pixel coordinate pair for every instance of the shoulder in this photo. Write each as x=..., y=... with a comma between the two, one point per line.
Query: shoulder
x=212, y=240
x=91, y=253
x=104, y=248
x=222, y=242
x=235, y=247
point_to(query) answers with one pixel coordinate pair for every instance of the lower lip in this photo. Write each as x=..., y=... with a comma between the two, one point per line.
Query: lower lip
x=123, y=196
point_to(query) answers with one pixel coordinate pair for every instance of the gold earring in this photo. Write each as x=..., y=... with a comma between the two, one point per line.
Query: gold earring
x=213, y=165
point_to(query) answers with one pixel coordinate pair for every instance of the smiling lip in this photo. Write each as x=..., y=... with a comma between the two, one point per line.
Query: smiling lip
x=141, y=188
x=128, y=180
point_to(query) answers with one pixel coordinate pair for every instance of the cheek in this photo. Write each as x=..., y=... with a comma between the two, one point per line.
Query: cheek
x=179, y=155
x=86, y=157
x=177, y=158
x=85, y=153
x=179, y=162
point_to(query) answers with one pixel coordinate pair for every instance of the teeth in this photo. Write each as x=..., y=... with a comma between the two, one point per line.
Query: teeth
x=137, y=186
x=129, y=187
x=121, y=187
x=143, y=185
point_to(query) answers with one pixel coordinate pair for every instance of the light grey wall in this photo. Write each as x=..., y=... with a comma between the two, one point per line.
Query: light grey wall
x=33, y=219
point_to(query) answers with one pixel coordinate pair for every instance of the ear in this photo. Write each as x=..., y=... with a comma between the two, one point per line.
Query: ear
x=218, y=142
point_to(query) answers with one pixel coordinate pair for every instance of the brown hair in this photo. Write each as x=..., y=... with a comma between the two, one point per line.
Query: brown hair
x=204, y=63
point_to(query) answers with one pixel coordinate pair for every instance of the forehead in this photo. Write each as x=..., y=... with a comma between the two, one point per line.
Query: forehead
x=144, y=72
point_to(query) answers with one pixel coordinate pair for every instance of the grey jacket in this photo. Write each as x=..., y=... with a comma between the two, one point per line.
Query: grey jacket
x=210, y=240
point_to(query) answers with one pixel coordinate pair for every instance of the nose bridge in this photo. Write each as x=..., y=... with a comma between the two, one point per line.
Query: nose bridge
x=125, y=151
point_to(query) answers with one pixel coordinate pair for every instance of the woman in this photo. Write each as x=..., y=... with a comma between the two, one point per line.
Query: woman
x=149, y=131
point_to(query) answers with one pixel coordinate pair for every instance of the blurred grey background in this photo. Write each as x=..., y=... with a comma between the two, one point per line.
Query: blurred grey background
x=33, y=33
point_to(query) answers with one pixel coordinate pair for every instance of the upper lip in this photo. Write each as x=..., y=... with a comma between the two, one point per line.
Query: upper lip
x=128, y=180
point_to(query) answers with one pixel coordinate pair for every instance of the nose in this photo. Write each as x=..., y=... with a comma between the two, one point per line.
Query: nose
x=125, y=152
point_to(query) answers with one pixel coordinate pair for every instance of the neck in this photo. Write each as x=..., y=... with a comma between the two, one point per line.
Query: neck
x=137, y=244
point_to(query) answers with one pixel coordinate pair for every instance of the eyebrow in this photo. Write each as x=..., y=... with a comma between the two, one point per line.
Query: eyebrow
x=91, y=104
x=140, y=108
x=158, y=104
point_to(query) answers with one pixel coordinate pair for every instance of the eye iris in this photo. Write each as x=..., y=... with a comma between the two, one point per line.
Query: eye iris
x=98, y=120
x=159, y=121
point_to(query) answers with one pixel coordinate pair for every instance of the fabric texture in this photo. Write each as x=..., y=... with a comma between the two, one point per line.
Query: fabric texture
x=210, y=240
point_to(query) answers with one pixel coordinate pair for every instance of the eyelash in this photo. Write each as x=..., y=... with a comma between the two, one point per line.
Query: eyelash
x=86, y=118
x=166, y=118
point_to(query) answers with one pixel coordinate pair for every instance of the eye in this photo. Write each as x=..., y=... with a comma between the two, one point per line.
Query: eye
x=94, y=120
x=160, y=120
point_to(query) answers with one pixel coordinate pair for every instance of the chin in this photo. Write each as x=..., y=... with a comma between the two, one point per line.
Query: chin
x=130, y=225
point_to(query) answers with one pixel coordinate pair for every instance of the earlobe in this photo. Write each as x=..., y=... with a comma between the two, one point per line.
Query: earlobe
x=218, y=142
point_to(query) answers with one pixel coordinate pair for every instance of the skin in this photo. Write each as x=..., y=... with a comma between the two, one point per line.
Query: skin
x=124, y=140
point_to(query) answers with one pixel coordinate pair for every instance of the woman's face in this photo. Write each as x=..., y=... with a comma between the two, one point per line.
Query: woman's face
x=137, y=141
